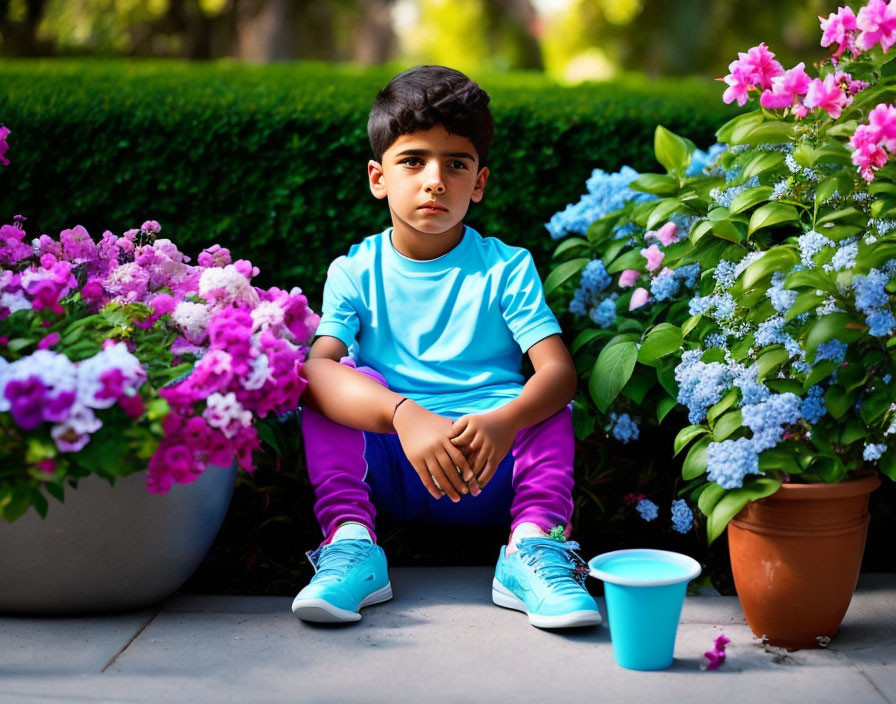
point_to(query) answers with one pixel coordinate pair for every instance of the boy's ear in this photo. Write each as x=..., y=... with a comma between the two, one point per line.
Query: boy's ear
x=479, y=187
x=376, y=177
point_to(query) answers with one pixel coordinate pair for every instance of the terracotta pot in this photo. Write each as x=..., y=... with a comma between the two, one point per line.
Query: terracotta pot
x=795, y=557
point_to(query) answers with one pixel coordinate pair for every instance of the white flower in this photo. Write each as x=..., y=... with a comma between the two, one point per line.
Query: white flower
x=74, y=433
x=226, y=413
x=228, y=280
x=258, y=374
x=193, y=319
x=91, y=370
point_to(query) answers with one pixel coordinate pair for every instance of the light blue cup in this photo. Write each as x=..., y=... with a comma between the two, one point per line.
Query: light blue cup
x=644, y=591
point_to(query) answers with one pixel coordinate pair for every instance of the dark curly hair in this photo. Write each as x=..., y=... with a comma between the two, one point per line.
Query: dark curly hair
x=426, y=96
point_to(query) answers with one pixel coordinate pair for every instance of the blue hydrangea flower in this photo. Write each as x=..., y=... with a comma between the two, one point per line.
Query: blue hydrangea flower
x=811, y=244
x=725, y=196
x=832, y=350
x=682, y=516
x=873, y=452
x=752, y=391
x=647, y=509
x=700, y=305
x=880, y=322
x=700, y=385
x=688, y=274
x=870, y=291
x=724, y=306
x=623, y=428
x=844, y=257
x=604, y=314
x=703, y=162
x=606, y=192
x=814, y=408
x=725, y=274
x=664, y=287
x=716, y=339
x=768, y=418
x=594, y=280
x=887, y=378
x=782, y=299
x=730, y=461
x=771, y=332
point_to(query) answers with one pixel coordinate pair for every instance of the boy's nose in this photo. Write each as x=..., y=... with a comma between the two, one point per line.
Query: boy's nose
x=434, y=186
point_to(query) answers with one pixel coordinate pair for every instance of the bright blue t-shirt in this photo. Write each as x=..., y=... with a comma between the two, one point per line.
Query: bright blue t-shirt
x=448, y=333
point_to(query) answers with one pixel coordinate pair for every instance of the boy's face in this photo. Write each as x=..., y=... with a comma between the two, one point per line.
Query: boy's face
x=430, y=177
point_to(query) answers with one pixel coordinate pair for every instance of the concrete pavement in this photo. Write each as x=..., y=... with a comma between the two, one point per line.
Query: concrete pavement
x=439, y=640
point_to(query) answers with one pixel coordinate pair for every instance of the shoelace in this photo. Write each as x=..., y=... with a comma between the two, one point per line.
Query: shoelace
x=556, y=561
x=335, y=559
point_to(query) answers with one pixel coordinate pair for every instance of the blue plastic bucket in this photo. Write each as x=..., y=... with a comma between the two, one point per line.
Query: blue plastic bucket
x=644, y=591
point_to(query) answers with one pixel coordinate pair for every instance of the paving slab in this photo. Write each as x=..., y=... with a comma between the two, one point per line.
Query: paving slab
x=439, y=640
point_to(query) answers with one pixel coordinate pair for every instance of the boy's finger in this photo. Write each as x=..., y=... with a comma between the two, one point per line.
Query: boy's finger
x=487, y=473
x=457, y=427
x=462, y=438
x=461, y=462
x=448, y=479
x=429, y=483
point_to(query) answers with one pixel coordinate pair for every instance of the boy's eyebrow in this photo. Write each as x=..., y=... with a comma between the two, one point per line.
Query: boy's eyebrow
x=427, y=152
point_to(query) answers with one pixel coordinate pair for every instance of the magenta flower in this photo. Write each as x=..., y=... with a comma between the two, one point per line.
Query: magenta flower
x=214, y=256
x=882, y=119
x=786, y=88
x=77, y=246
x=27, y=398
x=869, y=159
x=640, y=296
x=877, y=23
x=716, y=657
x=826, y=95
x=739, y=84
x=840, y=28
x=628, y=278
x=12, y=248
x=151, y=226
x=48, y=341
x=4, y=132
x=654, y=256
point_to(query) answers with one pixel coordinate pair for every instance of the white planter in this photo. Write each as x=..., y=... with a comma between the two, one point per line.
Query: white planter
x=111, y=548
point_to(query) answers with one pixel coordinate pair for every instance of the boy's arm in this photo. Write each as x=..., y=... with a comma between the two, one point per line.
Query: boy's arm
x=357, y=401
x=489, y=436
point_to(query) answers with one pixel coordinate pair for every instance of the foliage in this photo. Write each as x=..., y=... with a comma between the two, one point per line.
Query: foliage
x=259, y=159
x=782, y=352
x=118, y=356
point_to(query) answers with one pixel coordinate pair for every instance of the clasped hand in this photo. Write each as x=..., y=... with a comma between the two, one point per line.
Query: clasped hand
x=456, y=458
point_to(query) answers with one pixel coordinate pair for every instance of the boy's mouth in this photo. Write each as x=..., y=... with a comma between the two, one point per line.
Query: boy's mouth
x=433, y=207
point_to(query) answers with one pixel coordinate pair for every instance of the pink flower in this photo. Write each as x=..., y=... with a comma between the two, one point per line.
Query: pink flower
x=4, y=131
x=133, y=406
x=77, y=246
x=639, y=298
x=12, y=248
x=840, y=28
x=151, y=226
x=654, y=256
x=739, y=84
x=787, y=88
x=755, y=68
x=826, y=95
x=869, y=158
x=666, y=235
x=49, y=341
x=716, y=657
x=877, y=22
x=216, y=255
x=628, y=278
x=882, y=119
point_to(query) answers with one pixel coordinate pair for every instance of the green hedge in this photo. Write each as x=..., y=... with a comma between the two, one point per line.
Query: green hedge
x=271, y=161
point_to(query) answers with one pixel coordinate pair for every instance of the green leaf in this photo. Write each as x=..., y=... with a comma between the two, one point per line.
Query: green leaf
x=630, y=260
x=664, y=406
x=749, y=198
x=664, y=339
x=770, y=360
x=612, y=370
x=837, y=400
x=731, y=504
x=825, y=189
x=834, y=325
x=563, y=272
x=853, y=429
x=726, y=402
x=657, y=184
x=695, y=462
x=665, y=372
x=780, y=459
x=640, y=383
x=39, y=501
x=686, y=435
x=725, y=133
x=874, y=406
x=887, y=464
x=662, y=211
x=820, y=371
x=762, y=163
x=670, y=149
x=570, y=244
x=727, y=424
x=838, y=215
x=709, y=497
x=852, y=376
x=56, y=491
x=830, y=469
x=690, y=324
x=583, y=338
x=772, y=214
x=777, y=259
x=806, y=301
x=812, y=278
x=700, y=230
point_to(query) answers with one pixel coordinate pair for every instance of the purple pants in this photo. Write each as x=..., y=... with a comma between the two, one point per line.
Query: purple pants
x=356, y=472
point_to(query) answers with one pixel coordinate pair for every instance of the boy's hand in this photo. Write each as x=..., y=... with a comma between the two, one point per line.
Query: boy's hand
x=486, y=439
x=441, y=466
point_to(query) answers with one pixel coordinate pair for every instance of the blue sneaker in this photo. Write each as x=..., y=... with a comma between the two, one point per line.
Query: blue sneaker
x=545, y=579
x=349, y=574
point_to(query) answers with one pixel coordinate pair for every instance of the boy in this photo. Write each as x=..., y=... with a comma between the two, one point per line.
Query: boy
x=436, y=406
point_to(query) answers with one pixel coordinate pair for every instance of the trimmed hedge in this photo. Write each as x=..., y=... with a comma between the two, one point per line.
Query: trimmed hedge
x=271, y=160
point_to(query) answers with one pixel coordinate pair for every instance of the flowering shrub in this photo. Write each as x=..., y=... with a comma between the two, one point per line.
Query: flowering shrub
x=780, y=346
x=118, y=355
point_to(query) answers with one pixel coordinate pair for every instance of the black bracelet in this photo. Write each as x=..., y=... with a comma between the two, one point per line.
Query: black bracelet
x=395, y=410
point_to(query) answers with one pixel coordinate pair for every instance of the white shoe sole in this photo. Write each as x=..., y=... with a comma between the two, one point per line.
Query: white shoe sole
x=320, y=611
x=502, y=596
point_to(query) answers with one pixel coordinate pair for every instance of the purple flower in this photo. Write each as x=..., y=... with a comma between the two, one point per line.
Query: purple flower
x=77, y=246
x=4, y=133
x=27, y=398
x=12, y=248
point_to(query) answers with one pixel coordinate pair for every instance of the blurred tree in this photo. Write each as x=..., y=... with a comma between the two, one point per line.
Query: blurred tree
x=18, y=28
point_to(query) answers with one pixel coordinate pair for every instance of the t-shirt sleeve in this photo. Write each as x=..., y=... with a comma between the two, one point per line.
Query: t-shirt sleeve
x=339, y=315
x=523, y=304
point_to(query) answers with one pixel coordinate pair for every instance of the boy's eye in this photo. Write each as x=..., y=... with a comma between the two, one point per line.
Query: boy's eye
x=457, y=164
x=411, y=161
